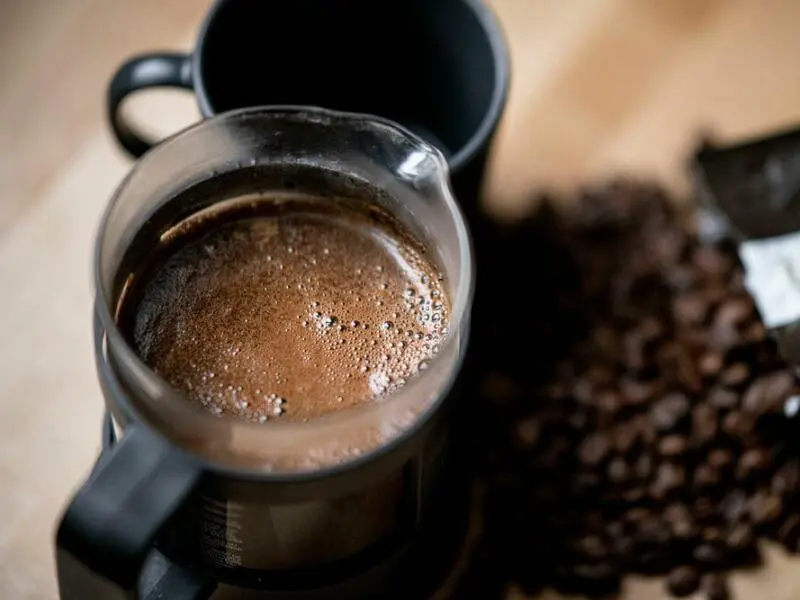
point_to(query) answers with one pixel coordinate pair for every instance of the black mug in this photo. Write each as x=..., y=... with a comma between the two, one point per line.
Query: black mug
x=438, y=67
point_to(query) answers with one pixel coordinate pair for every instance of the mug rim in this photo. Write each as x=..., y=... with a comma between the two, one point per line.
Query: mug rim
x=480, y=136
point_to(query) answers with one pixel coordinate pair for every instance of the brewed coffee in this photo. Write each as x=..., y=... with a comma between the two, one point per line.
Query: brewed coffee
x=291, y=309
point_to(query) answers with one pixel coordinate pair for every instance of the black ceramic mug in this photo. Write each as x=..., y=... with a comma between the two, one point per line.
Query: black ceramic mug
x=438, y=67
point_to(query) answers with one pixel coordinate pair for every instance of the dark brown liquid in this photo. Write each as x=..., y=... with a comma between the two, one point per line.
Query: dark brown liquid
x=307, y=308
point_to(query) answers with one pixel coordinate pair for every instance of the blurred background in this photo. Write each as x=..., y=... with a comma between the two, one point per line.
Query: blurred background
x=598, y=88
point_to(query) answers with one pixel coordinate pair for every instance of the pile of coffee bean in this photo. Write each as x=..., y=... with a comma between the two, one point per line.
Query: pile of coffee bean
x=629, y=415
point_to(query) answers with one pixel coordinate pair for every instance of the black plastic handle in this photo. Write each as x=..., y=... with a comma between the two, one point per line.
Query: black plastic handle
x=141, y=72
x=107, y=533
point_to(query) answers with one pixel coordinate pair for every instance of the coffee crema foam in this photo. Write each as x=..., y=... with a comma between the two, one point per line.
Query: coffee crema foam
x=306, y=308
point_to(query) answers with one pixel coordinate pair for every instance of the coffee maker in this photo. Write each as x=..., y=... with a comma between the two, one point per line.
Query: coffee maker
x=367, y=502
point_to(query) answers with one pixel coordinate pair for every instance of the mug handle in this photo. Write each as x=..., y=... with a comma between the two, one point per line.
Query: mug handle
x=138, y=73
x=106, y=534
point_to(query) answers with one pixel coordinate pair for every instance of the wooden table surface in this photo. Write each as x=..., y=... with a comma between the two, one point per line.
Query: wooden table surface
x=599, y=87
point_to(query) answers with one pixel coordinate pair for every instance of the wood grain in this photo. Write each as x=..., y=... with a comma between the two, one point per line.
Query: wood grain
x=598, y=88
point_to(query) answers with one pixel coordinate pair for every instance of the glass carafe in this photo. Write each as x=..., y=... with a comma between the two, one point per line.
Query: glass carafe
x=351, y=504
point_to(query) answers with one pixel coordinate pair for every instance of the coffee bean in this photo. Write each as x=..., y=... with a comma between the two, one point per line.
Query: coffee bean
x=645, y=428
x=737, y=425
x=594, y=449
x=720, y=458
x=624, y=438
x=709, y=553
x=669, y=411
x=688, y=374
x=786, y=480
x=724, y=336
x=704, y=508
x=668, y=479
x=706, y=476
x=643, y=467
x=735, y=311
x=711, y=261
x=618, y=470
x=765, y=507
x=768, y=393
x=683, y=581
x=735, y=375
x=704, y=423
x=734, y=506
x=754, y=333
x=634, y=355
x=592, y=546
x=609, y=402
x=751, y=462
x=711, y=363
x=672, y=446
x=714, y=587
x=637, y=392
x=690, y=308
x=684, y=529
x=740, y=538
x=723, y=398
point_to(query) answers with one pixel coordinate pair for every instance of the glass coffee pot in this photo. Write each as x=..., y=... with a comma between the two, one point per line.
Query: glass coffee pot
x=366, y=502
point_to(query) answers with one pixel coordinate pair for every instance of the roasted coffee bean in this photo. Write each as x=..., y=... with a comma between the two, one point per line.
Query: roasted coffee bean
x=734, y=506
x=735, y=311
x=609, y=402
x=669, y=411
x=705, y=476
x=751, y=462
x=688, y=375
x=618, y=470
x=711, y=363
x=740, y=538
x=754, y=333
x=637, y=392
x=738, y=425
x=724, y=336
x=735, y=375
x=768, y=393
x=723, y=398
x=683, y=529
x=690, y=308
x=643, y=467
x=711, y=261
x=765, y=507
x=705, y=508
x=645, y=429
x=594, y=449
x=624, y=438
x=592, y=546
x=709, y=554
x=720, y=458
x=786, y=479
x=672, y=446
x=704, y=423
x=714, y=587
x=683, y=581
x=668, y=479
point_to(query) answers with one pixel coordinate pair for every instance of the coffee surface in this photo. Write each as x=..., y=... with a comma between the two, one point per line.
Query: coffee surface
x=307, y=308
